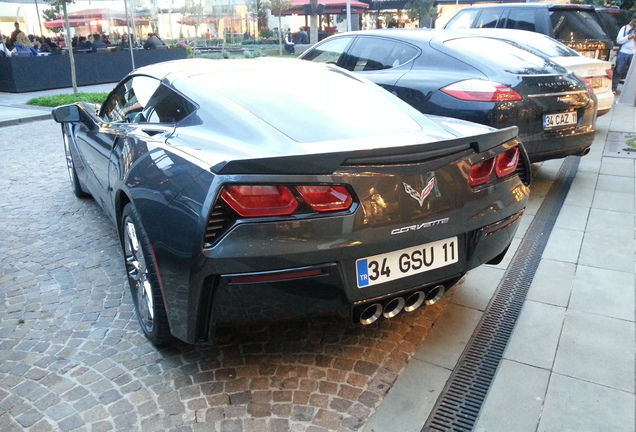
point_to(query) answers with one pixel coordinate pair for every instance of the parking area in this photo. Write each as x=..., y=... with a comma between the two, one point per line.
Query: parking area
x=72, y=357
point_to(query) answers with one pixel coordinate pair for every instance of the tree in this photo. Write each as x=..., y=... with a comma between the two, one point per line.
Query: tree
x=61, y=4
x=261, y=10
x=278, y=7
x=52, y=14
x=421, y=9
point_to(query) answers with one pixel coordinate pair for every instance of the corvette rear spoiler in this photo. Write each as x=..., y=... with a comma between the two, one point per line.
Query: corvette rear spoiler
x=327, y=163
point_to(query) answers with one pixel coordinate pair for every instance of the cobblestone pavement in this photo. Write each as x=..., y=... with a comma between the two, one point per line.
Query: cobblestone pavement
x=72, y=357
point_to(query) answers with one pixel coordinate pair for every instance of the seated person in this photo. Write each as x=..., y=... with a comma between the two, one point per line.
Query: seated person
x=289, y=44
x=123, y=42
x=96, y=43
x=4, y=50
x=40, y=46
x=153, y=42
x=53, y=46
x=84, y=44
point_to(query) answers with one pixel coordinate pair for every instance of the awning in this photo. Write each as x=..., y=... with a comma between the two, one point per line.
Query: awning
x=83, y=18
x=73, y=22
x=331, y=7
x=97, y=14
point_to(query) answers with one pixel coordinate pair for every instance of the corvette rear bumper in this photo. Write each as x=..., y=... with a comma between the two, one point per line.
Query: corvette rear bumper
x=241, y=298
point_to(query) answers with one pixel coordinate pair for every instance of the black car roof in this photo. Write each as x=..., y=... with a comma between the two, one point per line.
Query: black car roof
x=411, y=35
x=534, y=5
x=173, y=70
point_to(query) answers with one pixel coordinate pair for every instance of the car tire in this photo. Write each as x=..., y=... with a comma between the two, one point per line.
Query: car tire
x=143, y=279
x=76, y=185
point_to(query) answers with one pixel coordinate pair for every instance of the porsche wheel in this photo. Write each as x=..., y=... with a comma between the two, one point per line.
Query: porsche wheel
x=143, y=279
x=76, y=185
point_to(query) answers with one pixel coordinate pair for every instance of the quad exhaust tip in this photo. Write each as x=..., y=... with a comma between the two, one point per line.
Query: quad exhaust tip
x=414, y=301
x=435, y=295
x=394, y=306
x=371, y=314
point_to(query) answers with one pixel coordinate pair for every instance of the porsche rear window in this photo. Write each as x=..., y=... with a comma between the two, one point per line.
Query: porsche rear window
x=508, y=57
x=307, y=110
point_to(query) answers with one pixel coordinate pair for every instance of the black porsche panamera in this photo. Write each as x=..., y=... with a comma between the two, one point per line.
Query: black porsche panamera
x=243, y=191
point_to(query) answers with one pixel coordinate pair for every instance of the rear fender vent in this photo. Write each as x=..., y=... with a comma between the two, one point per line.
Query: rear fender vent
x=218, y=221
x=524, y=169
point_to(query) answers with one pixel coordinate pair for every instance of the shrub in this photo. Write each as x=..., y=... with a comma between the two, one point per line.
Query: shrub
x=266, y=33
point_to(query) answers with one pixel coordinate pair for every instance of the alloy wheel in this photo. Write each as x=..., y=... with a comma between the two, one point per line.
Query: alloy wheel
x=138, y=276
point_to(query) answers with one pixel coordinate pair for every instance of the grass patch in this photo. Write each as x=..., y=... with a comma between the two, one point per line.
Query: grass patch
x=630, y=140
x=64, y=99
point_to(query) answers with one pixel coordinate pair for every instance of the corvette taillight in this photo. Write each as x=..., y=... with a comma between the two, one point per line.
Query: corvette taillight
x=481, y=91
x=271, y=200
x=326, y=198
x=501, y=165
x=260, y=200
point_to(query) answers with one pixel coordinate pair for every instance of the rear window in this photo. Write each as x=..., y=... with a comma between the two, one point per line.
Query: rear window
x=613, y=20
x=576, y=25
x=548, y=47
x=509, y=57
x=306, y=110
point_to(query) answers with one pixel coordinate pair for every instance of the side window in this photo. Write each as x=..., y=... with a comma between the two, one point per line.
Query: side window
x=489, y=18
x=402, y=53
x=128, y=100
x=329, y=52
x=463, y=20
x=167, y=106
x=521, y=19
x=373, y=54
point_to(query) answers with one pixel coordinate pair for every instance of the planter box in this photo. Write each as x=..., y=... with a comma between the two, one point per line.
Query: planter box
x=25, y=74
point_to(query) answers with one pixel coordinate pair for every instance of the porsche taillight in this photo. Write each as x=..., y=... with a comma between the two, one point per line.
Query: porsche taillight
x=481, y=91
x=277, y=200
x=501, y=165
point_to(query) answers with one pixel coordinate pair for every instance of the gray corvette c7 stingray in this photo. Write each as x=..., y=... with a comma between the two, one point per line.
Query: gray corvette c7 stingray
x=261, y=189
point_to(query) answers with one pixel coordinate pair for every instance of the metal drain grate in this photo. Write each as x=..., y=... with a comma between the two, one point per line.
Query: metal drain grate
x=459, y=404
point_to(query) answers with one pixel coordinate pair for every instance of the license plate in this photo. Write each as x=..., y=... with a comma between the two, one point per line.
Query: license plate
x=399, y=264
x=597, y=82
x=556, y=120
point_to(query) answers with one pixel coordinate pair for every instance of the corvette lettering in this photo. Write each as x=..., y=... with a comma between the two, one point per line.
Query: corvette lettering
x=419, y=226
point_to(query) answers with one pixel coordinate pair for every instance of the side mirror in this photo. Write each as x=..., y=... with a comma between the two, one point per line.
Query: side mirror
x=66, y=114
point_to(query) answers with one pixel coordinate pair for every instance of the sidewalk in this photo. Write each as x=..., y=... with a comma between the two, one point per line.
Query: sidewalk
x=569, y=365
x=14, y=111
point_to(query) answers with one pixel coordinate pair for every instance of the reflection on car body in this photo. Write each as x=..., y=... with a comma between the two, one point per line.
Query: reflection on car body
x=242, y=194
x=474, y=78
x=597, y=74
